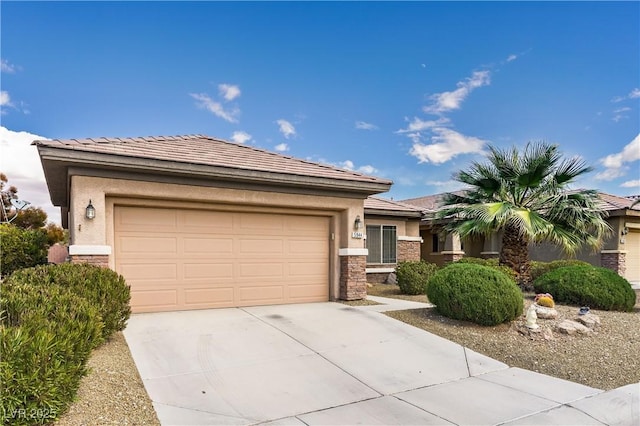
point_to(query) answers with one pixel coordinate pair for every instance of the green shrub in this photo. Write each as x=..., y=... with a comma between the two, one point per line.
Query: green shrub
x=104, y=288
x=21, y=248
x=538, y=269
x=413, y=277
x=598, y=288
x=491, y=263
x=47, y=334
x=476, y=293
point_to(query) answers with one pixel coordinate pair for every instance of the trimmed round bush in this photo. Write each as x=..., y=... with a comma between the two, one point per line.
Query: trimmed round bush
x=46, y=337
x=491, y=263
x=413, y=277
x=538, y=269
x=586, y=285
x=476, y=293
x=102, y=287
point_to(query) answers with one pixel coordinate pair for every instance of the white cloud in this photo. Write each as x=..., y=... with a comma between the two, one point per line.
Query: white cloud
x=348, y=165
x=446, y=144
x=240, y=137
x=229, y=91
x=5, y=99
x=615, y=163
x=631, y=184
x=623, y=109
x=21, y=163
x=633, y=94
x=7, y=67
x=286, y=128
x=281, y=147
x=512, y=58
x=418, y=125
x=204, y=101
x=363, y=125
x=447, y=101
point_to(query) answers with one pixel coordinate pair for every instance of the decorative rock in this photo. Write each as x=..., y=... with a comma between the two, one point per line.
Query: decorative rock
x=572, y=327
x=545, y=313
x=392, y=278
x=590, y=320
x=547, y=333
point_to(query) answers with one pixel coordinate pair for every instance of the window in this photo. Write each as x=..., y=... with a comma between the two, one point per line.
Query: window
x=434, y=243
x=381, y=242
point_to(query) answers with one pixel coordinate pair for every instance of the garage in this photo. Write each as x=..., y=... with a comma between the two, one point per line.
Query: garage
x=632, y=245
x=196, y=222
x=197, y=259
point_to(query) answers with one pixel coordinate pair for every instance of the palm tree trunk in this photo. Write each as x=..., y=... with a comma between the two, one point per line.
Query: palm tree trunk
x=515, y=254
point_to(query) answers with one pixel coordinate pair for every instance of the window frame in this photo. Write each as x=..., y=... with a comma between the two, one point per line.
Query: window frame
x=381, y=259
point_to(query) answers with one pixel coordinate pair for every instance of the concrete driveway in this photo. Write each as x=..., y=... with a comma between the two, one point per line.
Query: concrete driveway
x=328, y=363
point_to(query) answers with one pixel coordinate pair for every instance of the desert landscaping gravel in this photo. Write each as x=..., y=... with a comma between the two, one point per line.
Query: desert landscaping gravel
x=113, y=393
x=606, y=359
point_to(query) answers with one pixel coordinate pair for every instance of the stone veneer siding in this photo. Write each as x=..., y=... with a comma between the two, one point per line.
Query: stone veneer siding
x=377, y=278
x=448, y=257
x=353, y=278
x=616, y=261
x=93, y=259
x=408, y=251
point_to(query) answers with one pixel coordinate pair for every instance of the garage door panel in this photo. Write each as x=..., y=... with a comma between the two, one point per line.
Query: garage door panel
x=209, y=297
x=207, y=221
x=146, y=245
x=261, y=294
x=267, y=246
x=149, y=271
x=209, y=271
x=215, y=259
x=257, y=270
x=140, y=218
x=153, y=300
x=212, y=245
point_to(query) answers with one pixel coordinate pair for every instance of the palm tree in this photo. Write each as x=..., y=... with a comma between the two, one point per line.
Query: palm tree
x=526, y=196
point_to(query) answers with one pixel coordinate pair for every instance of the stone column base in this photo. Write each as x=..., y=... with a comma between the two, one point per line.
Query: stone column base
x=614, y=260
x=353, y=276
x=97, y=259
x=451, y=256
x=409, y=249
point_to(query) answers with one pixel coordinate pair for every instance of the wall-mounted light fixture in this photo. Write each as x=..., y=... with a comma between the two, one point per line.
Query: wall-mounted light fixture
x=358, y=223
x=90, y=211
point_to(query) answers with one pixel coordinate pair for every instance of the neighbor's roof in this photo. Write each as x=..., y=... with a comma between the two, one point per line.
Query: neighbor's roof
x=199, y=156
x=609, y=202
x=381, y=206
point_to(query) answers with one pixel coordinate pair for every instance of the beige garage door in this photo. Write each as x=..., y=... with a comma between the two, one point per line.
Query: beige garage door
x=195, y=259
x=632, y=245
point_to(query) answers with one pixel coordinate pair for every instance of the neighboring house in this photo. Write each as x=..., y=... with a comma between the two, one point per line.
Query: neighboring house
x=195, y=222
x=392, y=235
x=620, y=252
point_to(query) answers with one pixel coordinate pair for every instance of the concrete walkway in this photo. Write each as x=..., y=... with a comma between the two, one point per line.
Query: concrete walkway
x=328, y=363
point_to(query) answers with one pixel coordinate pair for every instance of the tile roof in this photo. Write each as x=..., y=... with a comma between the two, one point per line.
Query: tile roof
x=208, y=151
x=377, y=203
x=609, y=202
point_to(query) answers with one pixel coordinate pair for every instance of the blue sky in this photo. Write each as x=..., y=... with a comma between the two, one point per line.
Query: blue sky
x=409, y=91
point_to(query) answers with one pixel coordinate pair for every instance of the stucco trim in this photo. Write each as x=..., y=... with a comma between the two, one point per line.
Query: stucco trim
x=353, y=252
x=407, y=238
x=452, y=252
x=489, y=252
x=614, y=251
x=380, y=270
x=88, y=250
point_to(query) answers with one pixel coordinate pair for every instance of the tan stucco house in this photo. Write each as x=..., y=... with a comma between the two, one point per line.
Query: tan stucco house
x=196, y=222
x=620, y=252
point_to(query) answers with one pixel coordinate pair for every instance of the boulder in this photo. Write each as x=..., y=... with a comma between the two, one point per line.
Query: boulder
x=392, y=278
x=572, y=328
x=590, y=320
x=545, y=313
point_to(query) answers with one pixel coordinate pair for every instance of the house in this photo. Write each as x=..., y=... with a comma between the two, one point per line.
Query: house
x=620, y=252
x=196, y=222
